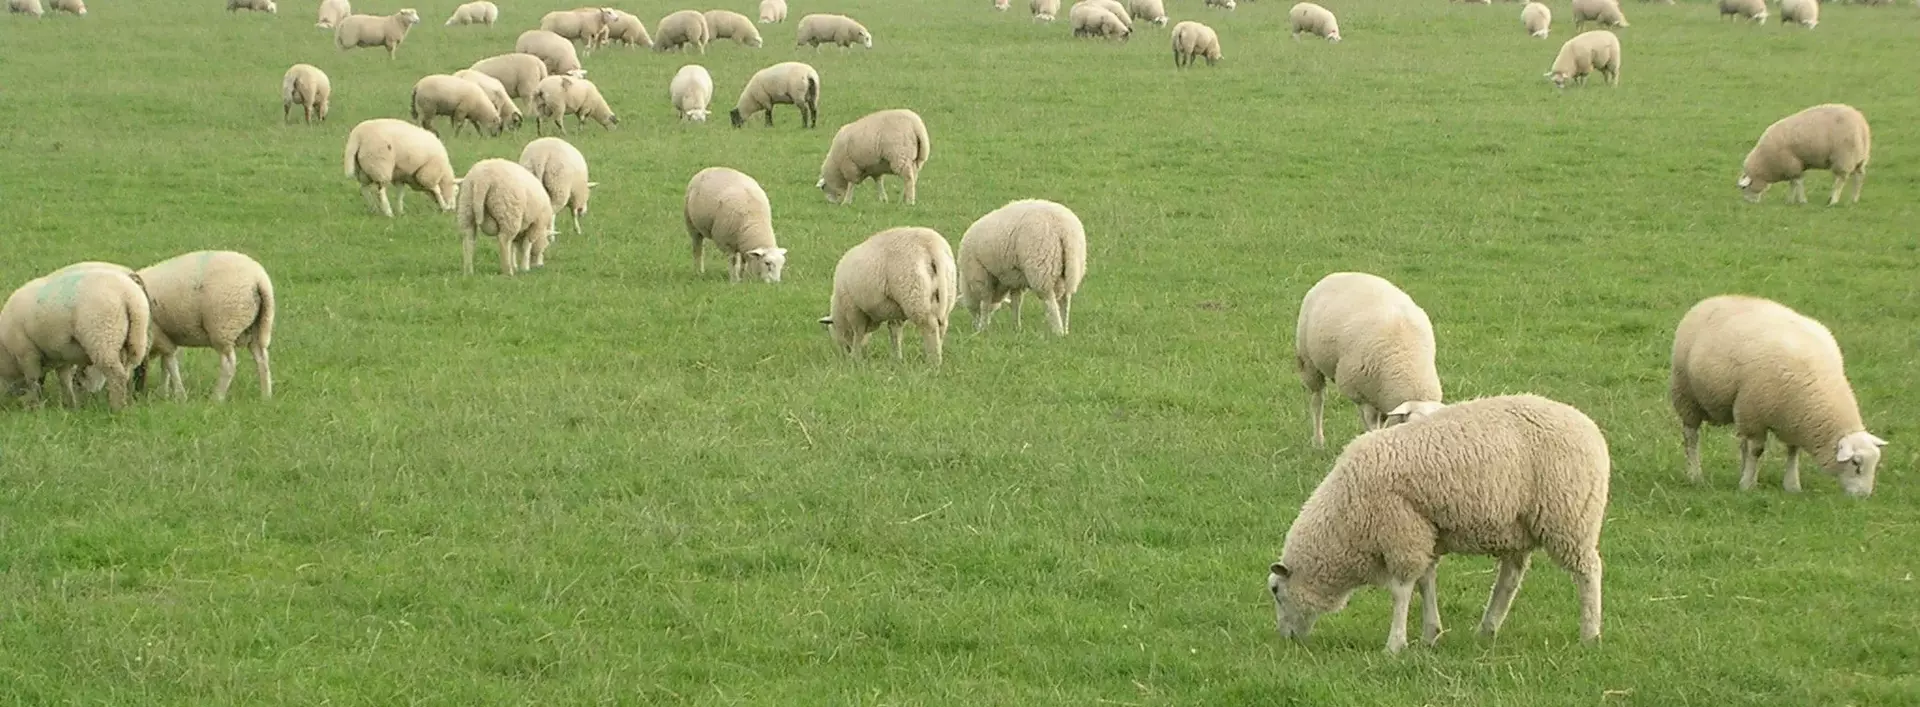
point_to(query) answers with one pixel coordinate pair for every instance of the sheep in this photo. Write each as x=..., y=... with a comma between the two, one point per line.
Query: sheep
x=775, y=11
x=496, y=93
x=216, y=299
x=78, y=316
x=30, y=8
x=266, y=6
x=436, y=95
x=307, y=86
x=1043, y=10
x=1119, y=11
x=1754, y=10
x=1192, y=39
x=332, y=12
x=554, y=50
x=1831, y=136
x=629, y=30
x=589, y=25
x=563, y=171
x=1806, y=13
x=726, y=206
x=560, y=96
x=1227, y=4
x=1606, y=13
x=892, y=141
x=1094, y=21
x=474, y=13
x=1589, y=51
x=896, y=276
x=75, y=7
x=1030, y=244
x=1314, y=19
x=1001, y=5
x=818, y=29
x=683, y=29
x=519, y=73
x=790, y=82
x=727, y=24
x=1410, y=411
x=385, y=151
x=1537, y=18
x=1500, y=476
x=1371, y=339
x=1153, y=11
x=691, y=91
x=356, y=31
x=505, y=200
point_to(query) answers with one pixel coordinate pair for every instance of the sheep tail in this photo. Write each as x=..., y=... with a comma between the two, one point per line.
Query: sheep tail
x=413, y=100
x=262, y=327
x=813, y=93
x=139, y=319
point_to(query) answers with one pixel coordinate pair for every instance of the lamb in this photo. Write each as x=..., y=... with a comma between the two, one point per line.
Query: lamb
x=1030, y=244
x=307, y=86
x=554, y=50
x=1498, y=476
x=1314, y=19
x=691, y=91
x=1095, y=21
x=1589, y=51
x=1192, y=39
x=1149, y=10
x=790, y=82
x=505, y=200
x=560, y=96
x=385, y=151
x=78, y=316
x=1228, y=4
x=497, y=94
x=474, y=13
x=1371, y=339
x=436, y=95
x=1604, y=12
x=563, y=171
x=775, y=11
x=30, y=8
x=1831, y=136
x=1804, y=12
x=683, y=29
x=1043, y=10
x=896, y=276
x=216, y=299
x=729, y=208
x=332, y=12
x=519, y=73
x=588, y=24
x=1537, y=18
x=1755, y=10
x=389, y=31
x=1762, y=367
x=892, y=141
x=266, y=6
x=628, y=30
x=818, y=29
x=727, y=24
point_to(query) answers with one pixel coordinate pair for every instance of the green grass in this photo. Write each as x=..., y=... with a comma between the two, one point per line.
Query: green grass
x=612, y=481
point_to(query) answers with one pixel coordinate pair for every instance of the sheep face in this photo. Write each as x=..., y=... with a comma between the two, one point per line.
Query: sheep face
x=768, y=263
x=409, y=17
x=1560, y=81
x=835, y=195
x=1855, y=461
x=607, y=17
x=866, y=39
x=272, y=9
x=1293, y=617
x=698, y=115
x=1751, y=189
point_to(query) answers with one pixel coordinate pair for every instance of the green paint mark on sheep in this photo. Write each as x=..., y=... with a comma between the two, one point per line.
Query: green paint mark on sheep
x=63, y=290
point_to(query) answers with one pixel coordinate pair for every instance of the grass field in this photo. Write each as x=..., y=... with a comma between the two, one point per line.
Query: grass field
x=614, y=481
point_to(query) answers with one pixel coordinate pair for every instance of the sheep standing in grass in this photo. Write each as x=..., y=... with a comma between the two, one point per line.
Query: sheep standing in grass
x=1604, y=12
x=30, y=8
x=1754, y=10
x=1031, y=244
x=1830, y=136
x=266, y=6
x=1153, y=11
x=892, y=141
x=307, y=86
x=1001, y=5
x=817, y=29
x=1227, y=4
x=589, y=25
x=726, y=206
x=773, y=11
x=896, y=276
x=382, y=152
x=1537, y=18
x=727, y=24
x=1500, y=476
x=1043, y=10
x=503, y=199
x=519, y=73
x=1113, y=6
x=692, y=91
x=560, y=96
x=388, y=31
x=554, y=50
x=629, y=30
x=790, y=82
x=74, y=7
x=1192, y=39
x=215, y=299
x=1593, y=50
x=1805, y=13
x=497, y=94
x=332, y=12
x=77, y=317
x=474, y=13
x=563, y=171
x=1371, y=339
x=1095, y=21
x=460, y=100
x=1762, y=367
x=1314, y=19
x=686, y=28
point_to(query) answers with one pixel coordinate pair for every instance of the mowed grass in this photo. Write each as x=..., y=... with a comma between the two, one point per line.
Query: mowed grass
x=615, y=481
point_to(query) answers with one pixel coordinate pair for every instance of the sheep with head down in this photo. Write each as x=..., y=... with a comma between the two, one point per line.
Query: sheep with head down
x=1832, y=136
x=501, y=198
x=76, y=317
x=383, y=152
x=892, y=141
x=728, y=208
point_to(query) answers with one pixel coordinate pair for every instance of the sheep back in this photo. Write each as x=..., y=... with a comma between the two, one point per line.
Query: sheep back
x=392, y=151
x=562, y=170
x=1192, y=39
x=903, y=274
x=475, y=13
x=1314, y=19
x=1831, y=136
x=1028, y=244
x=817, y=29
x=686, y=27
x=520, y=73
x=1762, y=367
x=457, y=98
x=892, y=141
x=1370, y=338
x=554, y=50
x=210, y=298
x=629, y=30
x=727, y=24
x=730, y=208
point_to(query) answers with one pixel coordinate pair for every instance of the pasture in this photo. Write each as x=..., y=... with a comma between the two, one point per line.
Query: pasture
x=614, y=481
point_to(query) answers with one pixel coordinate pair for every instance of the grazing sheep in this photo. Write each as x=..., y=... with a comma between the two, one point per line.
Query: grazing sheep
x=686, y=28
x=504, y=200
x=1832, y=136
x=896, y=276
x=1755, y=10
x=1371, y=339
x=436, y=95
x=726, y=206
x=818, y=29
x=561, y=96
x=727, y=24
x=1120, y=11
x=474, y=13
x=629, y=30
x=1090, y=20
x=587, y=24
x=691, y=91
x=388, y=31
x=563, y=171
x=1312, y=18
x=307, y=86
x=1806, y=13
x=790, y=82
x=1604, y=12
x=1043, y=10
x=214, y=299
x=332, y=12
x=30, y=8
x=1030, y=244
x=1001, y=5
x=1587, y=52
x=1192, y=39
x=775, y=11
x=1500, y=476
x=554, y=50
x=520, y=73
x=266, y=6
x=892, y=141
x=1537, y=18
x=385, y=151
x=75, y=7
x=1149, y=10
x=76, y=317
x=496, y=94
x=1762, y=367
x=1228, y=4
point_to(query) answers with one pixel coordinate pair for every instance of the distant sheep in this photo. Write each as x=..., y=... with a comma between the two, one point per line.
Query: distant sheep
x=460, y=100
x=1194, y=40
x=1096, y=21
x=727, y=24
x=774, y=11
x=629, y=30
x=1153, y=11
x=216, y=299
x=1537, y=18
x=560, y=96
x=305, y=85
x=1754, y=10
x=1604, y=12
x=502, y=199
x=72, y=318
x=1832, y=136
x=332, y=12
x=691, y=91
x=1114, y=6
x=30, y=8
x=1001, y=5
x=266, y=6
x=589, y=25
x=1590, y=51
x=74, y=7
x=686, y=28
x=817, y=29
x=883, y=142
x=1226, y=4
x=1371, y=339
x=382, y=152
x=520, y=73
x=496, y=93
x=1043, y=10
x=554, y=50
x=388, y=31
x=1313, y=19
x=1030, y=244
x=1805, y=13
x=789, y=82
x=729, y=208
x=563, y=171
x=897, y=276
x=474, y=13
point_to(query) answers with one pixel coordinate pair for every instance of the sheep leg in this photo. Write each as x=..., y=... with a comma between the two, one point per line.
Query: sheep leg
x=893, y=333
x=1799, y=193
x=286, y=113
x=880, y=185
x=734, y=263
x=466, y=253
x=1056, y=321
x=1587, y=580
x=262, y=369
x=1402, y=592
x=1790, y=482
x=228, y=361
x=1690, y=441
x=66, y=376
x=1859, y=180
x=1839, y=184
x=1513, y=571
x=1430, y=604
x=932, y=339
x=522, y=248
x=1370, y=417
x=699, y=253
x=1014, y=298
x=400, y=202
x=174, y=383
x=1316, y=406
x=912, y=176
x=506, y=255
x=1750, y=451
x=576, y=222
x=1066, y=312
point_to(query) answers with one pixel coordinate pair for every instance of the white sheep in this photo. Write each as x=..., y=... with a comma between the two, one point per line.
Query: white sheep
x=354, y=31
x=497, y=93
x=1537, y=18
x=332, y=12
x=1030, y=244
x=1089, y=20
x=1411, y=411
x=1226, y=4
x=30, y=8
x=1153, y=11
x=1370, y=338
x=1043, y=10
x=629, y=30
x=75, y=7
x=460, y=100
x=817, y=29
x=1192, y=39
x=727, y=24
x=563, y=171
x=691, y=91
x=216, y=299
x=726, y=206
x=1001, y=5
x=386, y=151
x=790, y=82
x=1604, y=12
x=897, y=276
x=775, y=11
x=1119, y=11
x=474, y=13
x=1762, y=367
x=307, y=86
x=503, y=199
x=554, y=50
x=80, y=316
x=1805, y=13
x=1311, y=18
x=1593, y=50
x=560, y=96
x=892, y=141
x=587, y=24
x=266, y=6
x=1754, y=10
x=1500, y=476
x=686, y=28
x=1831, y=136
x=520, y=73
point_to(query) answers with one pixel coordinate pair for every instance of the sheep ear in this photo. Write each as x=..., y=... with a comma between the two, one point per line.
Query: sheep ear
x=827, y=320
x=1280, y=569
x=1877, y=442
x=591, y=185
x=757, y=253
x=822, y=184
